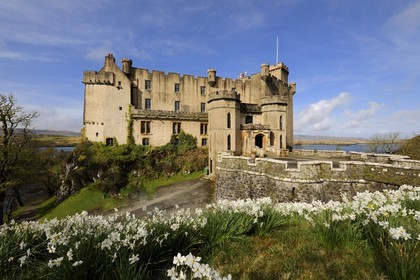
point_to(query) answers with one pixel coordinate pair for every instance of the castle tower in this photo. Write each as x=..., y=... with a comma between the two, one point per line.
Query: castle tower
x=126, y=65
x=211, y=77
x=224, y=125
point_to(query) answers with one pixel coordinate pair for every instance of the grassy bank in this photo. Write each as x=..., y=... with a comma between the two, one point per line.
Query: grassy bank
x=57, y=140
x=93, y=200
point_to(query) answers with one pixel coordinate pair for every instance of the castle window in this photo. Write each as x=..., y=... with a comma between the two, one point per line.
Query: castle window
x=203, y=129
x=148, y=103
x=148, y=84
x=248, y=119
x=176, y=128
x=145, y=127
x=228, y=120
x=228, y=143
x=109, y=141
x=281, y=122
x=145, y=142
x=281, y=141
x=177, y=103
x=204, y=142
x=203, y=90
x=97, y=134
x=203, y=107
x=120, y=108
x=177, y=87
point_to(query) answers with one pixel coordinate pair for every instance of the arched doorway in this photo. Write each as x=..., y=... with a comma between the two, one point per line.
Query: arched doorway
x=259, y=140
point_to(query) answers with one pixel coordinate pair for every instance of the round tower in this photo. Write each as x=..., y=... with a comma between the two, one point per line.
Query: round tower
x=224, y=125
x=274, y=113
x=264, y=71
x=211, y=77
x=126, y=65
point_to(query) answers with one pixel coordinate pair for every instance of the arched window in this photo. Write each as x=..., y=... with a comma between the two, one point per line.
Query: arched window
x=228, y=120
x=281, y=122
x=259, y=140
x=281, y=141
x=228, y=143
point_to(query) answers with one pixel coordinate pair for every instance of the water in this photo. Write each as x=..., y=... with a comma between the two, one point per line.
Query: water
x=361, y=147
x=62, y=149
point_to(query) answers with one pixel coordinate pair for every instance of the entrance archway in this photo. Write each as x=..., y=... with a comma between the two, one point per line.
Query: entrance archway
x=259, y=140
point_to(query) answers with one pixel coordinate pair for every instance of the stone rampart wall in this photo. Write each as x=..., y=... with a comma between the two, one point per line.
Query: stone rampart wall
x=242, y=177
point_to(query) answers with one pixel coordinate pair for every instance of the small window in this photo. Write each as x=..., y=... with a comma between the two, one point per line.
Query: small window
x=177, y=87
x=120, y=108
x=281, y=122
x=203, y=90
x=203, y=129
x=148, y=84
x=97, y=134
x=109, y=141
x=228, y=120
x=204, y=142
x=203, y=107
x=148, y=104
x=119, y=83
x=145, y=142
x=177, y=105
x=176, y=128
x=281, y=141
x=228, y=143
x=145, y=127
x=248, y=119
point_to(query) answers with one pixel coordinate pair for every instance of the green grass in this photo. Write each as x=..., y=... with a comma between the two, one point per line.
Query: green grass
x=57, y=140
x=92, y=199
x=151, y=185
x=294, y=252
x=87, y=199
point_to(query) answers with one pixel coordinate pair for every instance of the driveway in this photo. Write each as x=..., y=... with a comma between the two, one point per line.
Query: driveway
x=191, y=194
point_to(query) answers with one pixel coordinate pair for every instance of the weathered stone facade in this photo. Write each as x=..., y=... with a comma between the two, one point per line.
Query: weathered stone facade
x=244, y=116
x=243, y=177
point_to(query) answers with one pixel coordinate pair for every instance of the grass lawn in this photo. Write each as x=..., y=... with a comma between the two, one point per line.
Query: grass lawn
x=151, y=185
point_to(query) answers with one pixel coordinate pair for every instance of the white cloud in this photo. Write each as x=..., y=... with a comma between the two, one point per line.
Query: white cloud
x=58, y=119
x=407, y=116
x=359, y=118
x=317, y=115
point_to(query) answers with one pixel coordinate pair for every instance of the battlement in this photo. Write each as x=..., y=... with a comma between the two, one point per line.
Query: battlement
x=274, y=99
x=250, y=108
x=93, y=77
x=286, y=180
x=224, y=94
x=169, y=115
x=254, y=126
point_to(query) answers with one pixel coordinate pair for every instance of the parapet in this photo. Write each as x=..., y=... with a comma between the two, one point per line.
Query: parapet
x=93, y=77
x=224, y=94
x=274, y=99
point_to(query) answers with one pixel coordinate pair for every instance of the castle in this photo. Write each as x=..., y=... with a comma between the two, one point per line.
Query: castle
x=248, y=116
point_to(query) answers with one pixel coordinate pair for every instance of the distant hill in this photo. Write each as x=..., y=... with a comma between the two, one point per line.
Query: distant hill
x=56, y=132
x=323, y=139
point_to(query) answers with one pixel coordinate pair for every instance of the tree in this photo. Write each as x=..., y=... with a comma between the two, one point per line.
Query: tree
x=15, y=143
x=385, y=143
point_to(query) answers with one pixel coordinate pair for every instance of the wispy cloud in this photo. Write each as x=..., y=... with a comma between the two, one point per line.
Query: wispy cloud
x=359, y=118
x=316, y=116
x=407, y=116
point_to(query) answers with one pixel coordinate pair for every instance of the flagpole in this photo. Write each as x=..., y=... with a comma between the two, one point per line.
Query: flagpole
x=277, y=50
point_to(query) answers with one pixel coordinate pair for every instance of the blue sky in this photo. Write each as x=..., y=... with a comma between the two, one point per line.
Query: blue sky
x=356, y=63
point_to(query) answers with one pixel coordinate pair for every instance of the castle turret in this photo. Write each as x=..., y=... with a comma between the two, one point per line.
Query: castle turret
x=211, y=77
x=109, y=61
x=224, y=125
x=126, y=65
x=264, y=71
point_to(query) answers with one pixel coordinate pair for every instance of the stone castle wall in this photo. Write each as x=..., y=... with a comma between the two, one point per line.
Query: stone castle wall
x=242, y=177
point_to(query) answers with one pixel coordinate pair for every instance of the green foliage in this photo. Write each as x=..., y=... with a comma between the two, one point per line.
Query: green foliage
x=411, y=148
x=130, y=122
x=127, y=167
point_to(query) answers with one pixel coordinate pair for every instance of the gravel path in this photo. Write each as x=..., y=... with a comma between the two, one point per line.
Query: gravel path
x=191, y=194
